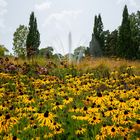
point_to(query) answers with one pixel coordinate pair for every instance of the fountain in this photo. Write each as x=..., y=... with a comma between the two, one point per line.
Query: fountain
x=70, y=46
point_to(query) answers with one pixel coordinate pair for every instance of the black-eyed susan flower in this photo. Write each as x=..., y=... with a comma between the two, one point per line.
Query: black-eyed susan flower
x=80, y=131
x=45, y=119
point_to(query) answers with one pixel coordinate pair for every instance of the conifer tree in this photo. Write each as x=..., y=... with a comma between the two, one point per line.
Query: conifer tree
x=33, y=37
x=124, y=41
x=135, y=34
x=97, y=41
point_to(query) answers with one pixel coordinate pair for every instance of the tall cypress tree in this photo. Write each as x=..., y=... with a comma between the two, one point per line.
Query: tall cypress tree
x=37, y=37
x=101, y=33
x=95, y=28
x=135, y=34
x=124, y=40
x=97, y=41
x=33, y=37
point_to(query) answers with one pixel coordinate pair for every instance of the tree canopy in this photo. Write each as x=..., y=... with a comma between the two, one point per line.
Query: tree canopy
x=19, y=41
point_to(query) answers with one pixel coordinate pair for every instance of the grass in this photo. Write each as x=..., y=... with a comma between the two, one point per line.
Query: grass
x=113, y=64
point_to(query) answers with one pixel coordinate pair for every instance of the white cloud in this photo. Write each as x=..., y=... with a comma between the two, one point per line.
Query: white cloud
x=65, y=16
x=3, y=3
x=3, y=11
x=120, y=1
x=43, y=6
x=2, y=23
x=132, y=3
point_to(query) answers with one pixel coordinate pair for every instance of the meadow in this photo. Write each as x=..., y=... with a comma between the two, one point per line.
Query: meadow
x=97, y=99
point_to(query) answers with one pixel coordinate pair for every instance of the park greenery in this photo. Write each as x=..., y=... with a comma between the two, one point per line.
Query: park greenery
x=123, y=42
x=95, y=96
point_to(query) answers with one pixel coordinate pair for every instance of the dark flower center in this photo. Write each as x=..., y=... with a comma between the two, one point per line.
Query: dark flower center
x=113, y=129
x=46, y=114
x=14, y=137
x=136, y=98
x=35, y=126
x=104, y=125
x=85, y=108
x=30, y=98
x=121, y=100
x=93, y=105
x=31, y=118
x=75, y=107
x=117, y=125
x=94, y=118
x=138, y=121
x=99, y=94
x=66, y=97
x=57, y=129
x=125, y=112
x=130, y=127
x=110, y=108
x=7, y=117
x=57, y=103
x=11, y=108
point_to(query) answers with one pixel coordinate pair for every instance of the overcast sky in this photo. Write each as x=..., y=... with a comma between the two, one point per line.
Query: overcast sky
x=56, y=18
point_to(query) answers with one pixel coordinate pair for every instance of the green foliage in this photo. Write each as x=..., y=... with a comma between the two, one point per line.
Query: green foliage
x=135, y=33
x=111, y=42
x=63, y=72
x=125, y=48
x=98, y=35
x=78, y=51
x=123, y=69
x=46, y=52
x=101, y=71
x=87, y=51
x=123, y=42
x=19, y=41
x=33, y=37
x=3, y=50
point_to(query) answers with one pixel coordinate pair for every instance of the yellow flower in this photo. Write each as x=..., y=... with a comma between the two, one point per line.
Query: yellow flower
x=136, y=126
x=58, y=130
x=110, y=130
x=10, y=137
x=94, y=119
x=100, y=137
x=54, y=125
x=45, y=119
x=49, y=135
x=80, y=117
x=6, y=122
x=58, y=107
x=67, y=100
x=80, y=131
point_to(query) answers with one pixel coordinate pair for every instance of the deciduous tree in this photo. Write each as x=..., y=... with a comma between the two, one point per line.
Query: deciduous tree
x=19, y=41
